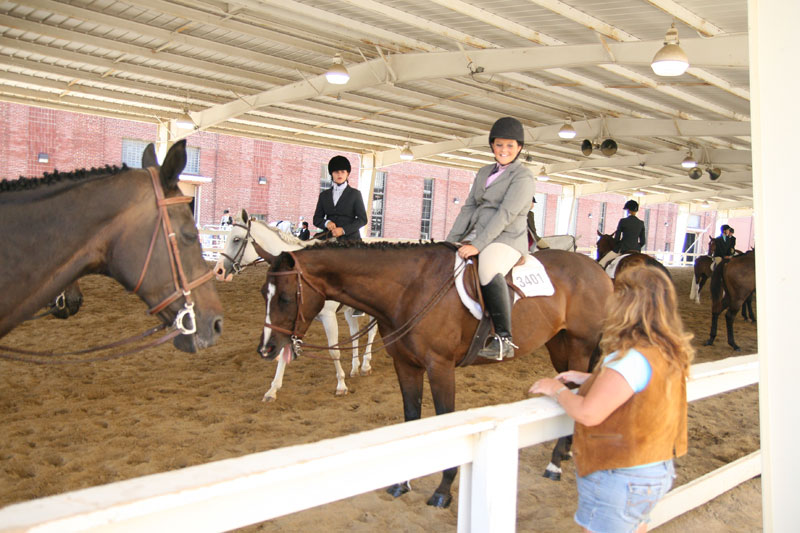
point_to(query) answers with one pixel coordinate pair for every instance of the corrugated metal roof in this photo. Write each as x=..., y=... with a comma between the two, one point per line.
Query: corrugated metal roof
x=588, y=62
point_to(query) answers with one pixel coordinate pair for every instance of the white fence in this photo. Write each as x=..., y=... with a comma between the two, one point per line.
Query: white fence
x=233, y=493
x=213, y=239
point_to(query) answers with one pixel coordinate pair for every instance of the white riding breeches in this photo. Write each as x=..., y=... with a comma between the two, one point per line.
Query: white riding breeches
x=496, y=258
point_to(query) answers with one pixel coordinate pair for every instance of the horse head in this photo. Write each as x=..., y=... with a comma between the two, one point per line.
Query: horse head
x=712, y=245
x=158, y=254
x=238, y=251
x=605, y=244
x=292, y=300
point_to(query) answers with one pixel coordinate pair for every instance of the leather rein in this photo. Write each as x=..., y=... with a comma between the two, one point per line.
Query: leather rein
x=183, y=288
x=236, y=260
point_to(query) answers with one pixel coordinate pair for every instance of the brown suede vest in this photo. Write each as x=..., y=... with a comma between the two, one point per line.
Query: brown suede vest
x=649, y=427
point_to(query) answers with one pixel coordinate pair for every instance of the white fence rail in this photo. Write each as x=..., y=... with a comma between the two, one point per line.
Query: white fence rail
x=233, y=493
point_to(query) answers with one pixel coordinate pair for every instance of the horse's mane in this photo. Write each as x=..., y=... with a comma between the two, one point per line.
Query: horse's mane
x=49, y=178
x=288, y=238
x=383, y=245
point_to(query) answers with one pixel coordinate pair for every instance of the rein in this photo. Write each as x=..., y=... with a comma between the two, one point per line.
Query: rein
x=297, y=343
x=182, y=288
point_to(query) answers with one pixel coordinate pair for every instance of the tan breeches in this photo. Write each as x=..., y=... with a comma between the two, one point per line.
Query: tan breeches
x=497, y=258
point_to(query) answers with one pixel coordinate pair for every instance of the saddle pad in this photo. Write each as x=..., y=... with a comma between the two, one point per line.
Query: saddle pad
x=611, y=268
x=530, y=277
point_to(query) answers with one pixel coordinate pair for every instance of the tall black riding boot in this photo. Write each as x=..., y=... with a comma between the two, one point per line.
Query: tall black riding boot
x=498, y=304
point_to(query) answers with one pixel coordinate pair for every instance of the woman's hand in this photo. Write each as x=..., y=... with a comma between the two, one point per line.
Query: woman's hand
x=337, y=231
x=466, y=251
x=573, y=376
x=547, y=386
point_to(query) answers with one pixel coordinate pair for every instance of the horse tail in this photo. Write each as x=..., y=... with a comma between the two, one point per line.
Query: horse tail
x=693, y=291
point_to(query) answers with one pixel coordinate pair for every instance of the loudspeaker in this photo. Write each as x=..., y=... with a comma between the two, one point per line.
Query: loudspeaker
x=586, y=147
x=695, y=173
x=608, y=147
x=714, y=173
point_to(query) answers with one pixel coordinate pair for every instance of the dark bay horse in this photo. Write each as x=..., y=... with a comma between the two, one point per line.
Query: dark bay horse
x=67, y=303
x=732, y=284
x=607, y=243
x=133, y=225
x=425, y=328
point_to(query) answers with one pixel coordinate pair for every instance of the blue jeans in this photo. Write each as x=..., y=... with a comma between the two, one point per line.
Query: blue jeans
x=619, y=500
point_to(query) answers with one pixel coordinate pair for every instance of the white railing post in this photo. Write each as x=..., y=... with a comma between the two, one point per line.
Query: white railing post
x=493, y=483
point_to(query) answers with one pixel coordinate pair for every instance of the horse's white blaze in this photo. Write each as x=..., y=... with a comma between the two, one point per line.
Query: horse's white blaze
x=268, y=330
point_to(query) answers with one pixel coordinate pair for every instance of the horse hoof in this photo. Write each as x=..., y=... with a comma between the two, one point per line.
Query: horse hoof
x=268, y=399
x=442, y=501
x=736, y=348
x=341, y=392
x=365, y=373
x=555, y=476
x=709, y=342
x=398, y=489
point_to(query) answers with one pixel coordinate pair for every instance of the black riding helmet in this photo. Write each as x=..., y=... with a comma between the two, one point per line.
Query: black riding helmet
x=631, y=205
x=338, y=162
x=507, y=128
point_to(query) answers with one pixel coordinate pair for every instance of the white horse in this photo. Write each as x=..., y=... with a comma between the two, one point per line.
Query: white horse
x=239, y=252
x=560, y=242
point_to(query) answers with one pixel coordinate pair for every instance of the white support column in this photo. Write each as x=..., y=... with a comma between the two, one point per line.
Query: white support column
x=568, y=203
x=492, y=483
x=775, y=116
x=366, y=183
x=681, y=222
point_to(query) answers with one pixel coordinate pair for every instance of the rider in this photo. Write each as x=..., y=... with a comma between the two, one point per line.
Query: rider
x=493, y=219
x=723, y=245
x=533, y=237
x=630, y=234
x=340, y=209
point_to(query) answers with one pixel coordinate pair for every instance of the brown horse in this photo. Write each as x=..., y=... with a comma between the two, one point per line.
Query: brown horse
x=425, y=328
x=702, y=271
x=607, y=243
x=732, y=285
x=131, y=224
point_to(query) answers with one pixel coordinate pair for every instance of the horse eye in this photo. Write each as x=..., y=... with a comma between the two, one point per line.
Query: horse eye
x=236, y=239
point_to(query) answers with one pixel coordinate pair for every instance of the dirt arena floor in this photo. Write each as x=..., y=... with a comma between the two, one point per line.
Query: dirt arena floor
x=70, y=427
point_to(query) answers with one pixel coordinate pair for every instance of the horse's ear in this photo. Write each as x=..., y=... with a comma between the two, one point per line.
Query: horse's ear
x=245, y=216
x=265, y=255
x=598, y=233
x=173, y=165
x=149, y=158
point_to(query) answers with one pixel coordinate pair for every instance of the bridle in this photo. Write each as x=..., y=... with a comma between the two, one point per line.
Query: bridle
x=236, y=264
x=295, y=334
x=182, y=286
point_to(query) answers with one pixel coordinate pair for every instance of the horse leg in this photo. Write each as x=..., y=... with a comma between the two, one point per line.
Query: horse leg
x=366, y=367
x=713, y=333
x=700, y=284
x=277, y=382
x=352, y=322
x=411, y=381
x=328, y=320
x=442, y=380
x=730, y=316
x=694, y=293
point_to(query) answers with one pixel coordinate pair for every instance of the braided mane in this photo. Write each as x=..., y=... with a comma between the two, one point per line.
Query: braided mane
x=50, y=178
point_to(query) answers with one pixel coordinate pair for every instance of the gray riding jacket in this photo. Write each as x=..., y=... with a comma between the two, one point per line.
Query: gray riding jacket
x=497, y=213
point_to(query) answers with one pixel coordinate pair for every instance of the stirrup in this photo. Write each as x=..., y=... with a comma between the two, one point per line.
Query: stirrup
x=499, y=348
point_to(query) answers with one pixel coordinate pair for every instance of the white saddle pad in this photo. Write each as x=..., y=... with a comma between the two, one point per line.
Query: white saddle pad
x=530, y=277
x=611, y=268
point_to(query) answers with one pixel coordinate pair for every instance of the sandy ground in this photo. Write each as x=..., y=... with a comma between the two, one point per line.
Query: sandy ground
x=70, y=427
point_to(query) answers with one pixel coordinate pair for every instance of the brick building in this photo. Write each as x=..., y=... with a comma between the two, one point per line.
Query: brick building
x=276, y=181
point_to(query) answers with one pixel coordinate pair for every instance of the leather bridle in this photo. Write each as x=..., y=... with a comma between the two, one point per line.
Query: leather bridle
x=236, y=265
x=182, y=286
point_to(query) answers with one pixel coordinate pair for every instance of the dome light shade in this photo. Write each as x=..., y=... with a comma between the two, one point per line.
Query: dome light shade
x=185, y=121
x=542, y=176
x=671, y=60
x=406, y=154
x=689, y=161
x=567, y=131
x=337, y=74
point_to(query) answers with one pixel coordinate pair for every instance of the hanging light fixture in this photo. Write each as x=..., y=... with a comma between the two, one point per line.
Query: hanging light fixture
x=542, y=176
x=671, y=60
x=706, y=204
x=567, y=131
x=639, y=193
x=406, y=154
x=689, y=161
x=185, y=121
x=337, y=74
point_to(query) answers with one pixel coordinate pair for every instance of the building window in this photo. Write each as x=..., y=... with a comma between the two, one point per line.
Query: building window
x=378, y=196
x=427, y=204
x=192, y=160
x=132, y=150
x=694, y=222
x=325, y=181
x=601, y=223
